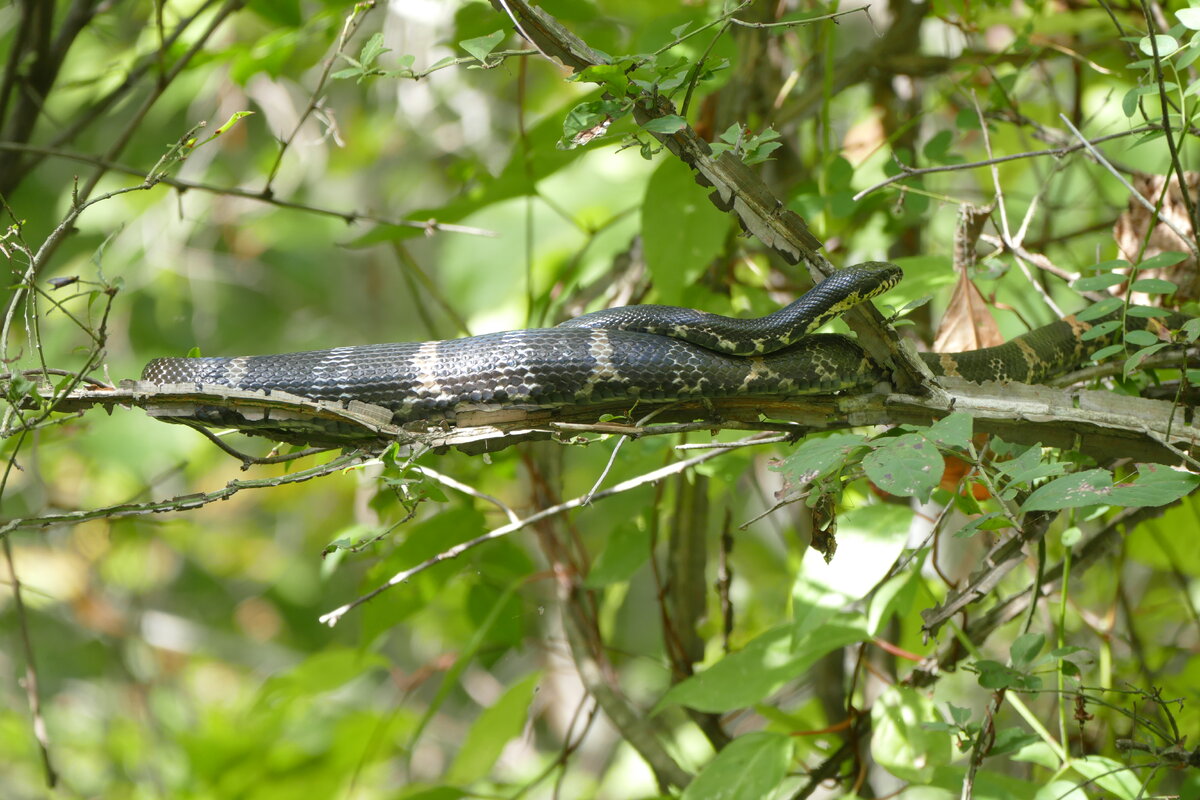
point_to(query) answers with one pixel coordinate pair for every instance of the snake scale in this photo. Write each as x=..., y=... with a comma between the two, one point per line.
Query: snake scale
x=628, y=354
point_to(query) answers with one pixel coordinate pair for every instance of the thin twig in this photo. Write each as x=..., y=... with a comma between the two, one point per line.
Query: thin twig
x=446, y=480
x=1165, y=110
x=612, y=459
x=1057, y=152
x=249, y=460
x=1005, y=231
x=31, y=674
x=333, y=617
x=349, y=28
x=183, y=185
x=795, y=22
x=180, y=503
x=1165, y=220
x=734, y=445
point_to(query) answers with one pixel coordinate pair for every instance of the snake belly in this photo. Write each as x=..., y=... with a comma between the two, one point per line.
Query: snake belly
x=539, y=368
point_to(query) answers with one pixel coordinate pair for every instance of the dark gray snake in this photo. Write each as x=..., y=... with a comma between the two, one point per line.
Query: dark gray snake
x=626, y=354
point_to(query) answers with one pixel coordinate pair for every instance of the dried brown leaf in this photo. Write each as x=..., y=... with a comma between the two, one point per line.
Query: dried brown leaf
x=967, y=323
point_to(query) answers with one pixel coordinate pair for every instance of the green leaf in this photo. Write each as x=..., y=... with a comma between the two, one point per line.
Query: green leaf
x=1190, y=17
x=1088, y=488
x=627, y=548
x=1165, y=45
x=1153, y=286
x=588, y=120
x=819, y=457
x=324, y=671
x=896, y=596
x=938, y=146
x=763, y=666
x=1135, y=360
x=1105, y=352
x=668, y=124
x=1094, y=283
x=679, y=30
x=282, y=13
x=1147, y=312
x=1010, y=740
x=953, y=431
x=681, y=230
x=991, y=521
x=1166, y=259
x=1141, y=338
x=908, y=466
x=1025, y=648
x=1155, y=485
x=499, y=723
x=612, y=76
x=960, y=715
x=1186, y=59
x=1110, y=775
x=748, y=768
x=900, y=742
x=1097, y=310
x=1071, y=536
x=994, y=675
x=482, y=46
x=1103, y=329
x=372, y=50
x=233, y=120
x=1129, y=103
x=732, y=134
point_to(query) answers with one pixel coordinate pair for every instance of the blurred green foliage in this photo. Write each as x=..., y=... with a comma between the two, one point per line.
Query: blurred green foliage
x=181, y=655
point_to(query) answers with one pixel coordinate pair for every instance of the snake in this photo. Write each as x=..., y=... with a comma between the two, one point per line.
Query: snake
x=632, y=354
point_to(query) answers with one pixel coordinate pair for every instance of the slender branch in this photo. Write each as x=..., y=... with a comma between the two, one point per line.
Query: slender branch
x=182, y=502
x=183, y=185
x=457, y=485
x=1134, y=193
x=135, y=119
x=249, y=460
x=1165, y=110
x=349, y=28
x=32, y=694
x=333, y=617
x=1056, y=152
x=797, y=22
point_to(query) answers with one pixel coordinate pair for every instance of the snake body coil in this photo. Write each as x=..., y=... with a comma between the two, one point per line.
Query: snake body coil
x=579, y=363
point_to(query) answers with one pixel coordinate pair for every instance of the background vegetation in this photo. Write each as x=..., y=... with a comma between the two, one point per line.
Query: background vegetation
x=415, y=171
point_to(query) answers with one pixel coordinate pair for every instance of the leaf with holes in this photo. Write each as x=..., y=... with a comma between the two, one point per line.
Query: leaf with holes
x=817, y=458
x=953, y=431
x=1155, y=485
x=1103, y=329
x=908, y=465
